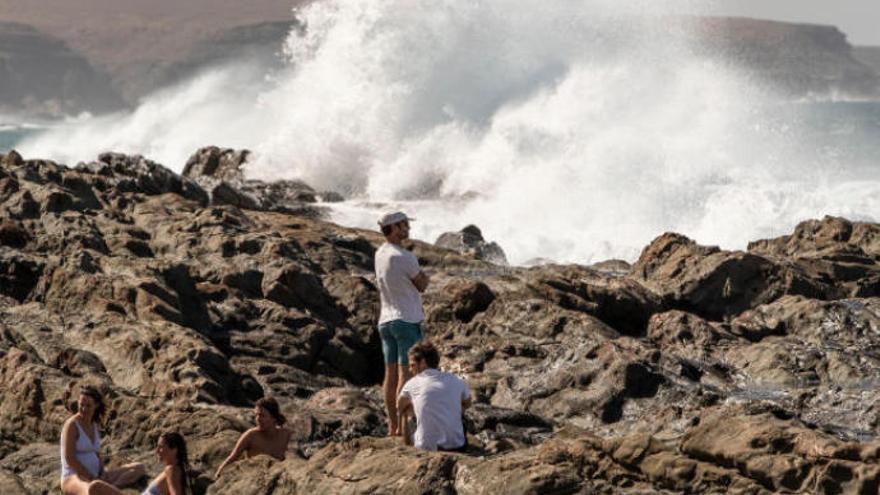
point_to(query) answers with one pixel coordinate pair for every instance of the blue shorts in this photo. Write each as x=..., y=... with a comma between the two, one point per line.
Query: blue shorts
x=397, y=337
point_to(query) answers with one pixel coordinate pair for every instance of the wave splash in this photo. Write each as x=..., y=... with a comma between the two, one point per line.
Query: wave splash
x=576, y=132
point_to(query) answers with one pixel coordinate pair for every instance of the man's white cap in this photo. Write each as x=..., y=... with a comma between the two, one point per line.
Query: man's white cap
x=392, y=218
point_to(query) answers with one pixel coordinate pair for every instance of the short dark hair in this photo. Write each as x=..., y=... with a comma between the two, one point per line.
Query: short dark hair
x=386, y=229
x=270, y=405
x=426, y=351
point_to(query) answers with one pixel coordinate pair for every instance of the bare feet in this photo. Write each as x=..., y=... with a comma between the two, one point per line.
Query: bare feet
x=393, y=429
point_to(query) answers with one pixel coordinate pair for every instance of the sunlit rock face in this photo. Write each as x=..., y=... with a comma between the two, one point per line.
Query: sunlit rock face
x=699, y=370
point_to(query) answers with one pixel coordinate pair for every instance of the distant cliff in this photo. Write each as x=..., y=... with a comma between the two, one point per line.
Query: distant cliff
x=868, y=55
x=255, y=42
x=796, y=59
x=40, y=75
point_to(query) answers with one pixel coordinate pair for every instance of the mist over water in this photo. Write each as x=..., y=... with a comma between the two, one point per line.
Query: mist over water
x=577, y=131
x=218, y=106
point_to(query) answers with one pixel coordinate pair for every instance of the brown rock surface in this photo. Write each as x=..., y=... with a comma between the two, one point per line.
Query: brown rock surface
x=700, y=371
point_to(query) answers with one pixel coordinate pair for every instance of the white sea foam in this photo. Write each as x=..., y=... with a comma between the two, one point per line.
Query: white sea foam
x=571, y=130
x=219, y=106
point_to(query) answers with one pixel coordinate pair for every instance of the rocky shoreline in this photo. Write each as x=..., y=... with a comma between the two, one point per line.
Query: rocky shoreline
x=186, y=298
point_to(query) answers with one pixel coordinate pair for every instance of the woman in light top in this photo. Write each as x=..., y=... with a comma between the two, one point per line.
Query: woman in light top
x=269, y=437
x=82, y=469
x=175, y=478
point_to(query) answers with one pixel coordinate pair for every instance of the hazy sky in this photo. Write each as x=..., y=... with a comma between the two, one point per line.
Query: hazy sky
x=858, y=19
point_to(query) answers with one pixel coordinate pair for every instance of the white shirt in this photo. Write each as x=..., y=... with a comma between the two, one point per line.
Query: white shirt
x=395, y=269
x=436, y=397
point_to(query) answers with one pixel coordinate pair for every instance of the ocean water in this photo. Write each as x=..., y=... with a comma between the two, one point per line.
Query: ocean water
x=11, y=135
x=576, y=132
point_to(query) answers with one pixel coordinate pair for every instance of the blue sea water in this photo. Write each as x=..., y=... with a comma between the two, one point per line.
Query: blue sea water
x=11, y=136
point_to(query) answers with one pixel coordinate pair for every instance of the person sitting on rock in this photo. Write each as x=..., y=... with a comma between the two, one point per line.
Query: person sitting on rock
x=437, y=399
x=175, y=477
x=400, y=282
x=82, y=469
x=269, y=437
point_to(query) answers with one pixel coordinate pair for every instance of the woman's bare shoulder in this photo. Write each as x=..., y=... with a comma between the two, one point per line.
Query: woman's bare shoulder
x=66, y=426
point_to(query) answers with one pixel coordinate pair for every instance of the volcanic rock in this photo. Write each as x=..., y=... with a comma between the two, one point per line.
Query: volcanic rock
x=469, y=240
x=219, y=172
x=699, y=371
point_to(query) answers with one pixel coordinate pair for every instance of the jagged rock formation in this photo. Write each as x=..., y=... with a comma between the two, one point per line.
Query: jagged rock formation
x=469, y=241
x=700, y=371
x=219, y=172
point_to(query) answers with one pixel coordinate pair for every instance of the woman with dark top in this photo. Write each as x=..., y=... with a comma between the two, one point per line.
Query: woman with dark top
x=175, y=478
x=269, y=437
x=82, y=469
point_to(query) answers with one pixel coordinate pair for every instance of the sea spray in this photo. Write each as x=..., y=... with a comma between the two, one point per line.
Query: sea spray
x=219, y=105
x=575, y=131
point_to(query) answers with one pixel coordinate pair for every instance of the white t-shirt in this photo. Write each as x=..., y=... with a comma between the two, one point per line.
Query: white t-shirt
x=436, y=397
x=395, y=269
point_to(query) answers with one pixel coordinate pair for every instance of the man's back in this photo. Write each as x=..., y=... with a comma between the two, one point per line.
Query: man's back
x=395, y=270
x=436, y=397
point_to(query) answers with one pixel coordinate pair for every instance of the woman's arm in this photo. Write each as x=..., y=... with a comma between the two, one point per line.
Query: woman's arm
x=243, y=444
x=69, y=436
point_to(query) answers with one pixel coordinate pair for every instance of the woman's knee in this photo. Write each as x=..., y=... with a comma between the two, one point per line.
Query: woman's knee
x=139, y=469
x=98, y=487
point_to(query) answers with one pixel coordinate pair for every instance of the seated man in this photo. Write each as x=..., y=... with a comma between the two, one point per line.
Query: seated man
x=269, y=437
x=437, y=399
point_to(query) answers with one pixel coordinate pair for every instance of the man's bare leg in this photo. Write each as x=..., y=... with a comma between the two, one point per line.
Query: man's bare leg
x=391, y=386
x=402, y=379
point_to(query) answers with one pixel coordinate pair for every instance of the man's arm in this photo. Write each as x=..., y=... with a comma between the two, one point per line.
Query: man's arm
x=243, y=444
x=404, y=409
x=421, y=281
x=410, y=267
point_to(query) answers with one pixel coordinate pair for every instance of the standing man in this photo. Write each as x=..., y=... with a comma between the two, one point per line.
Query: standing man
x=401, y=283
x=437, y=399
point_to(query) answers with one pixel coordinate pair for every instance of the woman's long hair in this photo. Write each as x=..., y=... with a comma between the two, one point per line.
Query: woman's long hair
x=174, y=440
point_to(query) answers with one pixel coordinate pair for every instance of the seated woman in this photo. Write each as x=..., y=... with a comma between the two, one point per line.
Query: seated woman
x=175, y=478
x=269, y=437
x=82, y=469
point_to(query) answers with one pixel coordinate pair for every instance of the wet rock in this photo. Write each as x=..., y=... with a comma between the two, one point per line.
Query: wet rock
x=212, y=161
x=469, y=240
